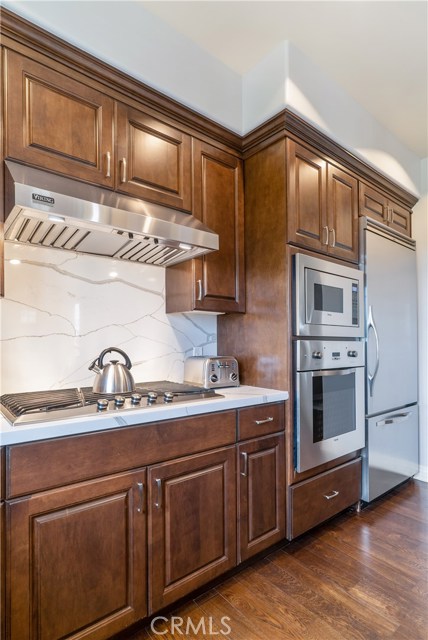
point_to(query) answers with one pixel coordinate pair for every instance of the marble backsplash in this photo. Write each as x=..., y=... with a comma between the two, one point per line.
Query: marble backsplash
x=61, y=309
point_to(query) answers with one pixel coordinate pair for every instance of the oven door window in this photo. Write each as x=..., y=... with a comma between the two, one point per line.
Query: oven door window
x=334, y=411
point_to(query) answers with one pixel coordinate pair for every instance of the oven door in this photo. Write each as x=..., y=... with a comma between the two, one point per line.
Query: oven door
x=329, y=415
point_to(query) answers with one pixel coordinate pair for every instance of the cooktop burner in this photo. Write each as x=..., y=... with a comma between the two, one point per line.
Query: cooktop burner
x=59, y=404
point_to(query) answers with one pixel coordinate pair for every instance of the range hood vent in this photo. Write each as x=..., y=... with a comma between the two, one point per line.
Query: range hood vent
x=52, y=211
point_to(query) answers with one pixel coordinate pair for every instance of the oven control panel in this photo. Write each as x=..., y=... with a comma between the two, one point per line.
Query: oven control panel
x=314, y=355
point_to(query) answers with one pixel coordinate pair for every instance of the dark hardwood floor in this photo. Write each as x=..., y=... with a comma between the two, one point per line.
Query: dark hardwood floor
x=360, y=576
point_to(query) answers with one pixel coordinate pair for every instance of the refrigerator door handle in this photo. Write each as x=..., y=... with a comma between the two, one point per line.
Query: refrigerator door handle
x=371, y=325
x=396, y=418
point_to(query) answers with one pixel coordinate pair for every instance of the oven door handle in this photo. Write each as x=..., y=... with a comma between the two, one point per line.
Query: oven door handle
x=333, y=372
x=371, y=325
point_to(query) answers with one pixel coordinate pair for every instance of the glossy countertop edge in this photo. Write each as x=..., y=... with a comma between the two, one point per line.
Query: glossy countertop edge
x=234, y=398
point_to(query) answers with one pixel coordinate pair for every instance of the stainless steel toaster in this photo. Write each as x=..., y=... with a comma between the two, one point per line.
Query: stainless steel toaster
x=212, y=372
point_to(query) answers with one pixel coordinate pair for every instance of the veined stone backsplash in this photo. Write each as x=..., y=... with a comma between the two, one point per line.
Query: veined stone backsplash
x=61, y=309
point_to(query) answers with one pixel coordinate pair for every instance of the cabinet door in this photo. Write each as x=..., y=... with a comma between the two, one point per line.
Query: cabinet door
x=154, y=159
x=342, y=207
x=58, y=123
x=261, y=503
x=218, y=202
x=399, y=218
x=192, y=524
x=306, y=198
x=77, y=560
x=373, y=204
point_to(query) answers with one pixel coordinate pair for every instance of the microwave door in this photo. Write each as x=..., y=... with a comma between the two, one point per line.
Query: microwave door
x=328, y=299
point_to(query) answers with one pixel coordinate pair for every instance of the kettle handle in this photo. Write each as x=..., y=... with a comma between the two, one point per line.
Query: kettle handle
x=108, y=350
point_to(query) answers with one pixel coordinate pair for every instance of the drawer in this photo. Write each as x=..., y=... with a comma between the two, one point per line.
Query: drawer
x=261, y=420
x=37, y=466
x=317, y=499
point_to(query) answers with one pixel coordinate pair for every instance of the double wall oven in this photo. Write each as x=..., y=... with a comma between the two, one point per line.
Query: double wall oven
x=328, y=361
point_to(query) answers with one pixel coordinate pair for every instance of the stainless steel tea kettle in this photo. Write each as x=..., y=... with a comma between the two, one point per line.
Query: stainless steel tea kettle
x=113, y=377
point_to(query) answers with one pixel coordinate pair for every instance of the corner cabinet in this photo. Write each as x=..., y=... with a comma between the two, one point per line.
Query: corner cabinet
x=192, y=524
x=376, y=205
x=56, y=122
x=215, y=282
x=77, y=560
x=322, y=204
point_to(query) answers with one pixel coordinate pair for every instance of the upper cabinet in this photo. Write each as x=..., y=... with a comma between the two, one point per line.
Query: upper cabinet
x=215, y=282
x=58, y=123
x=154, y=159
x=378, y=206
x=322, y=204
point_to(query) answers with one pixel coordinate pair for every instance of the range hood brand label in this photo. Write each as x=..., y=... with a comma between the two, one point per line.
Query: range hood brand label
x=44, y=199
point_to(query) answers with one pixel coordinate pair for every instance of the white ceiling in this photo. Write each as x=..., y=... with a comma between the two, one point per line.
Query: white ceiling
x=376, y=50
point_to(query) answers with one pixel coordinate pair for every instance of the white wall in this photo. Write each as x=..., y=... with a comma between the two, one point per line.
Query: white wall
x=420, y=233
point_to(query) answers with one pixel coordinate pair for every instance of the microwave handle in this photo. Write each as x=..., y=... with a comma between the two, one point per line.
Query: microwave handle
x=371, y=325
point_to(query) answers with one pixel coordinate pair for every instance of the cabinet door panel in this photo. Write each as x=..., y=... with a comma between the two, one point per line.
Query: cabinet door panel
x=157, y=159
x=306, y=197
x=261, y=494
x=77, y=560
x=372, y=203
x=192, y=534
x=218, y=202
x=342, y=205
x=400, y=218
x=56, y=122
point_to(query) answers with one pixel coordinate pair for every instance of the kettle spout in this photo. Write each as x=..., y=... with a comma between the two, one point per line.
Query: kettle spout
x=94, y=366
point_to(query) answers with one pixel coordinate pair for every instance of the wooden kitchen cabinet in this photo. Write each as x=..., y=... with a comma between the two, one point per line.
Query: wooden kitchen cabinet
x=378, y=206
x=154, y=159
x=214, y=282
x=315, y=500
x=57, y=122
x=77, y=560
x=261, y=494
x=322, y=204
x=192, y=524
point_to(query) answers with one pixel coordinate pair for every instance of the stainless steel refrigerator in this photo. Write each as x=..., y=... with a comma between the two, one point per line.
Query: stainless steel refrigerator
x=391, y=454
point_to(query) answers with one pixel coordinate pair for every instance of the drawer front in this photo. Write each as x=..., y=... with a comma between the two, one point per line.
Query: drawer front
x=317, y=499
x=37, y=466
x=261, y=420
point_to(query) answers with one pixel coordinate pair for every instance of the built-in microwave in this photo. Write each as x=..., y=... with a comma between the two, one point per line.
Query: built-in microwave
x=328, y=299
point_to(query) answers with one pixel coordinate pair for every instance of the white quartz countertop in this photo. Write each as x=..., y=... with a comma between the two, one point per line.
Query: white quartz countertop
x=234, y=398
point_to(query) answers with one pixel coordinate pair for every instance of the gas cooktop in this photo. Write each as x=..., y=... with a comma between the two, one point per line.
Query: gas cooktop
x=60, y=404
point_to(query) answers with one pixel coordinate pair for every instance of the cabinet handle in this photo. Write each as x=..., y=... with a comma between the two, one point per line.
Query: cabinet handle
x=158, y=502
x=333, y=232
x=108, y=163
x=390, y=213
x=244, y=458
x=200, y=290
x=140, y=488
x=123, y=170
x=325, y=229
x=269, y=419
x=333, y=494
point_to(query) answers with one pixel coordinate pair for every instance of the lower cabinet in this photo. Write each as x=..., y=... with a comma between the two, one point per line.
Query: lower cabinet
x=192, y=524
x=261, y=490
x=77, y=560
x=317, y=499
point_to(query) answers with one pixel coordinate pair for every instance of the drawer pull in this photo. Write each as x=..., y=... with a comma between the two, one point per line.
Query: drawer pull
x=269, y=419
x=333, y=494
x=140, y=488
x=158, y=502
x=244, y=458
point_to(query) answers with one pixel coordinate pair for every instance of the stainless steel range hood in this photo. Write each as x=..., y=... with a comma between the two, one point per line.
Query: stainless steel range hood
x=47, y=210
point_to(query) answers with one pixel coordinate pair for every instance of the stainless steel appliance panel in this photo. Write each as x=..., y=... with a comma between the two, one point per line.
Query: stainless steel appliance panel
x=391, y=456
x=391, y=309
